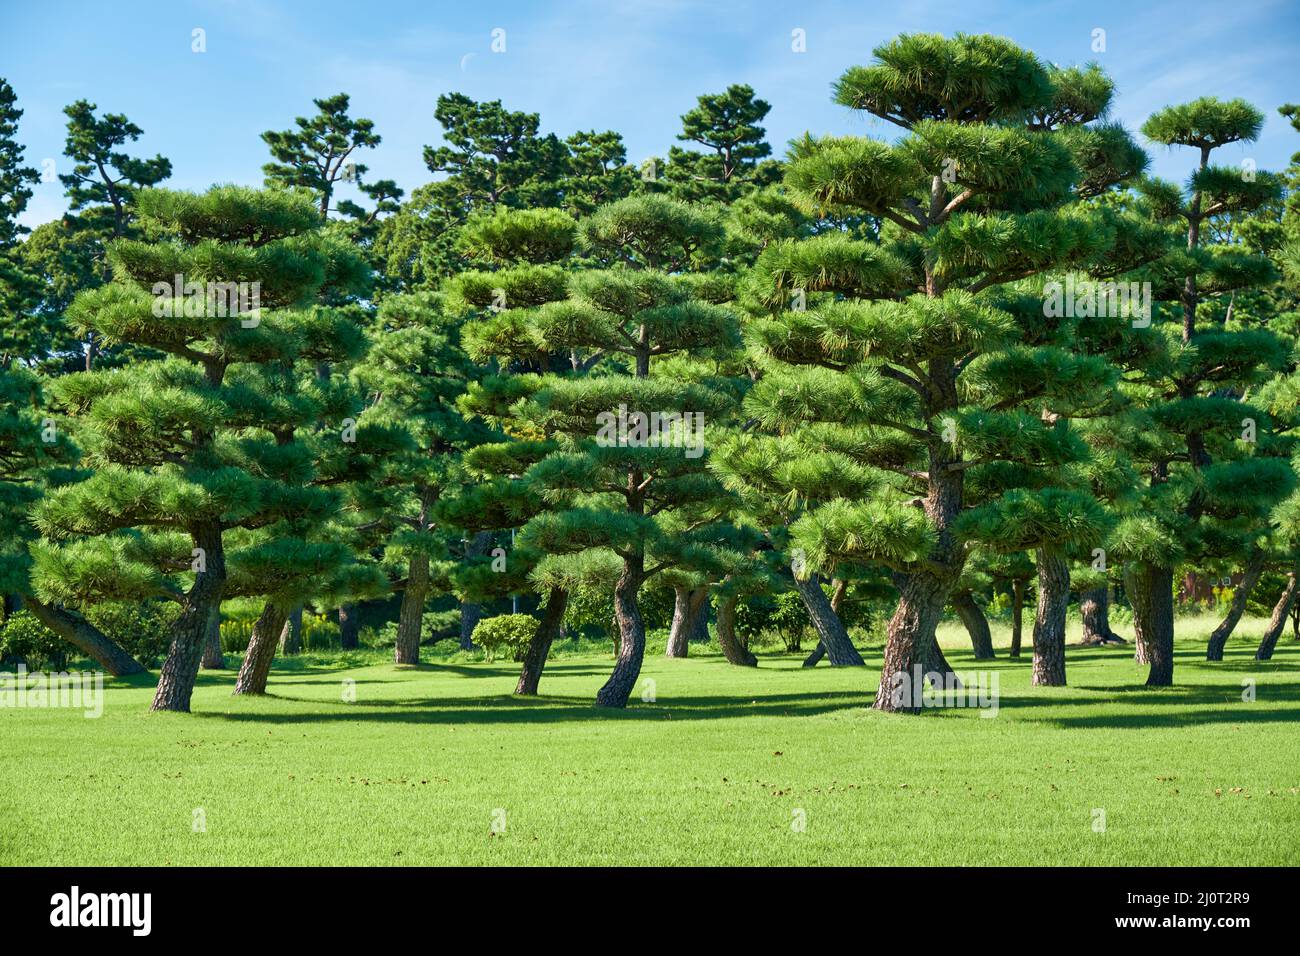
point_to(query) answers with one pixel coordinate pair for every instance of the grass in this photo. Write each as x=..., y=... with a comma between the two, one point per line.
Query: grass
x=714, y=772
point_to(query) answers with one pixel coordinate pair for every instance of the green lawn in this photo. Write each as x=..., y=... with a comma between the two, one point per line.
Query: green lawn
x=414, y=771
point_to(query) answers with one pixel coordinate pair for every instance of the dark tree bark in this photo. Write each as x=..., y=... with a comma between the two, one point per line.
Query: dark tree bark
x=976, y=624
x=631, y=631
x=1240, y=595
x=688, y=614
x=256, y=668
x=830, y=629
x=910, y=635
x=470, y=613
x=1278, y=620
x=349, y=627
x=410, y=618
x=291, y=633
x=548, y=629
x=1151, y=592
x=1017, y=616
x=213, y=658
x=181, y=668
x=1094, y=607
x=700, y=627
x=679, y=632
x=1049, y=620
x=923, y=593
x=732, y=649
x=813, y=659
x=85, y=637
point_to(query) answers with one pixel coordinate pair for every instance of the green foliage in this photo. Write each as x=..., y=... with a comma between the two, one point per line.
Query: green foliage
x=505, y=632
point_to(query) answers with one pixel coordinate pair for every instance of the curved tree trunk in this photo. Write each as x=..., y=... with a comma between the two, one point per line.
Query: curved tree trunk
x=976, y=624
x=411, y=617
x=1049, y=620
x=213, y=658
x=1094, y=608
x=734, y=651
x=181, y=668
x=910, y=638
x=256, y=668
x=830, y=629
x=1278, y=619
x=631, y=631
x=1240, y=595
x=470, y=613
x=349, y=627
x=1151, y=592
x=1017, y=616
x=85, y=637
x=548, y=629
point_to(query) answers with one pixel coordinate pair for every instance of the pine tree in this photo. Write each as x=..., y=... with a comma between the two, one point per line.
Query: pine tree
x=727, y=126
x=34, y=453
x=318, y=155
x=105, y=179
x=413, y=374
x=188, y=482
x=623, y=484
x=1214, y=468
x=892, y=352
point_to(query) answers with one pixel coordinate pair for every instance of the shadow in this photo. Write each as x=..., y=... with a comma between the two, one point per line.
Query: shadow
x=508, y=709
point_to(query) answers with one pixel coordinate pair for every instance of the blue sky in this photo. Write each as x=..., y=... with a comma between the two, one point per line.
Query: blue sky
x=630, y=65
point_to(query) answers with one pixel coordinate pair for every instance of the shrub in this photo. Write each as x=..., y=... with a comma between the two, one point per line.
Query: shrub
x=142, y=628
x=24, y=638
x=510, y=632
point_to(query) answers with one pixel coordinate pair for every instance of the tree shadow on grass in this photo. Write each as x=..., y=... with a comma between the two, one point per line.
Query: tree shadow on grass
x=508, y=709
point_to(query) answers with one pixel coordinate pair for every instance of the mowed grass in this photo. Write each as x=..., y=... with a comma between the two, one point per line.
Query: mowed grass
x=715, y=771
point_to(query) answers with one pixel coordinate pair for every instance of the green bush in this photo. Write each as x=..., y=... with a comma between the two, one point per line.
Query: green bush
x=24, y=638
x=142, y=628
x=510, y=632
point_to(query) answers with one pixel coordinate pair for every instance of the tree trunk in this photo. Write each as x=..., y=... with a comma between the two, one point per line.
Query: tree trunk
x=410, y=619
x=548, y=629
x=1240, y=595
x=680, y=630
x=1049, y=620
x=839, y=648
x=1151, y=592
x=471, y=614
x=976, y=624
x=256, y=668
x=181, y=668
x=349, y=627
x=923, y=593
x=1278, y=620
x=700, y=625
x=688, y=614
x=1094, y=607
x=631, y=630
x=732, y=649
x=910, y=637
x=818, y=652
x=1017, y=615
x=291, y=633
x=85, y=637
x=213, y=659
